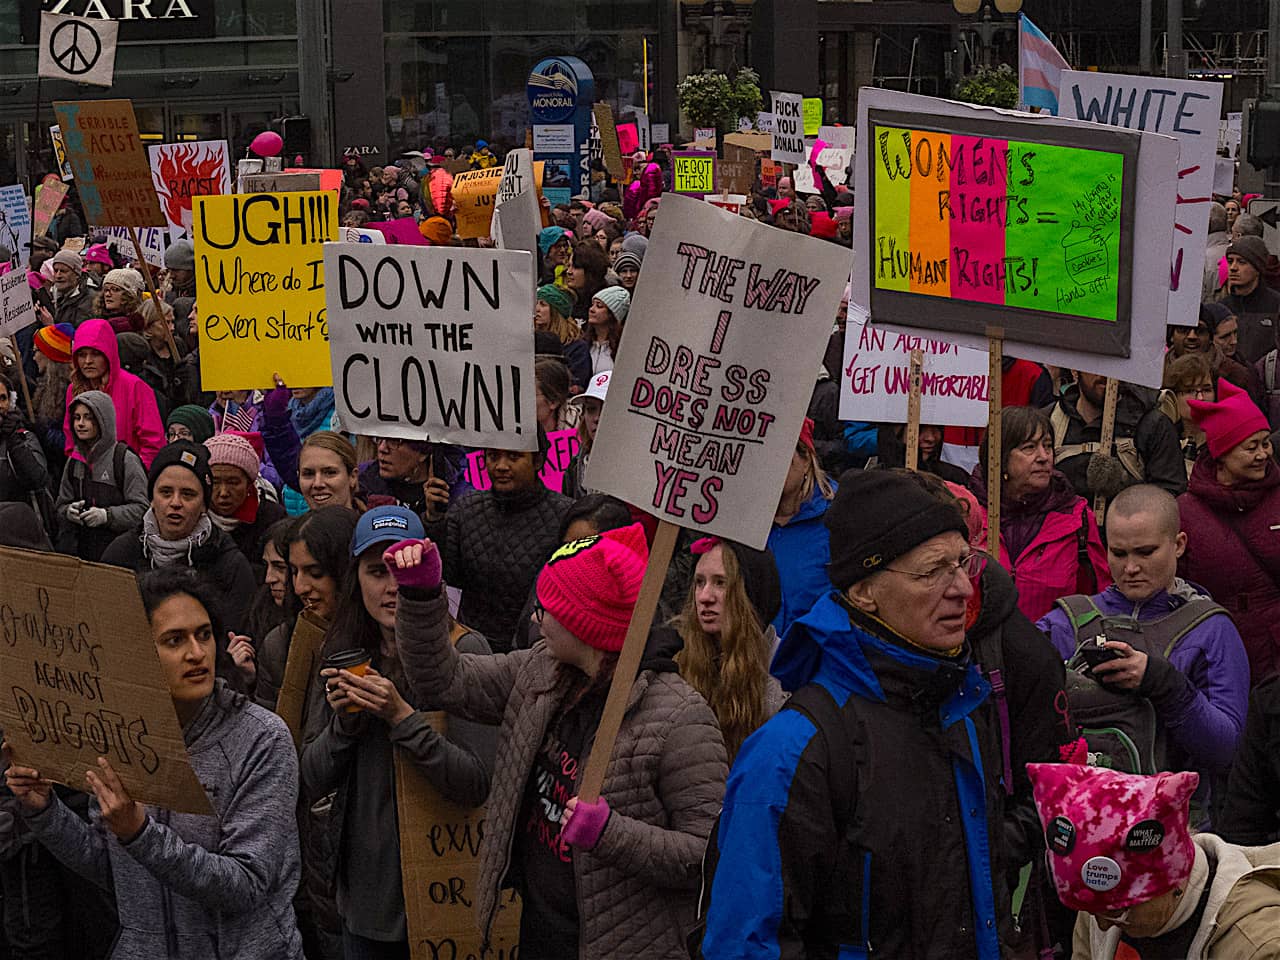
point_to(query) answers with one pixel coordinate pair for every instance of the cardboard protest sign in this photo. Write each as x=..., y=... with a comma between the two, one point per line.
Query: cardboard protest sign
x=185, y=170
x=705, y=407
x=1186, y=109
x=16, y=307
x=788, y=128
x=330, y=179
x=737, y=171
x=474, y=193
x=971, y=218
x=260, y=283
x=113, y=176
x=563, y=448
x=812, y=110
x=301, y=671
x=439, y=869
x=433, y=343
x=694, y=172
x=279, y=182
x=15, y=224
x=49, y=197
x=60, y=154
x=82, y=680
x=770, y=171
x=875, y=382
x=609, y=145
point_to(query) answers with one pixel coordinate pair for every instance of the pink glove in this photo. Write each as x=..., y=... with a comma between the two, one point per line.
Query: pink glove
x=424, y=575
x=587, y=824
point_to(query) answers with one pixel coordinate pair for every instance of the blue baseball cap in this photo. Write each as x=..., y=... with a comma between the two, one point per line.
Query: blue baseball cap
x=386, y=525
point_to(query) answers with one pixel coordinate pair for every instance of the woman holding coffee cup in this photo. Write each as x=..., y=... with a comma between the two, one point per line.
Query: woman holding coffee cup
x=617, y=878
x=363, y=721
x=190, y=886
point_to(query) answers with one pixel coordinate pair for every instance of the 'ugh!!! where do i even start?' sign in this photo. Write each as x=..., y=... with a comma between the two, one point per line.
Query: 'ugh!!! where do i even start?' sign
x=260, y=286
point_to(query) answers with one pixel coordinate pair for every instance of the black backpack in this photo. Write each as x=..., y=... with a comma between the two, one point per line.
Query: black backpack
x=1120, y=727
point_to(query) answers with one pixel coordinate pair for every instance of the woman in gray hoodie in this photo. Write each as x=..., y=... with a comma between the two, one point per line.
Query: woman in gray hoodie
x=104, y=485
x=191, y=887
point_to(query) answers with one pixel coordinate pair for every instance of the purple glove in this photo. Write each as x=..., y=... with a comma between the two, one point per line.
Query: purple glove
x=587, y=824
x=424, y=575
x=275, y=405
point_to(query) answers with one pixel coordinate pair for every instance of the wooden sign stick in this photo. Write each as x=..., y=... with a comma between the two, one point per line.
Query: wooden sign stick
x=915, y=381
x=995, y=435
x=26, y=392
x=151, y=287
x=1107, y=440
x=624, y=675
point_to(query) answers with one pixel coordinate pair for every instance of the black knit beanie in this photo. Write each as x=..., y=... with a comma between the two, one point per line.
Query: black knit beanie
x=759, y=579
x=183, y=453
x=876, y=517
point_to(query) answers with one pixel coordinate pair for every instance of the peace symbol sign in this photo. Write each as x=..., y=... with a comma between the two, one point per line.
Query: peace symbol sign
x=75, y=47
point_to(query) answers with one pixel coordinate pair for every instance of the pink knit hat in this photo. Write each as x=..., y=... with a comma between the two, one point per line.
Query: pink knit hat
x=1115, y=839
x=1230, y=421
x=234, y=451
x=590, y=586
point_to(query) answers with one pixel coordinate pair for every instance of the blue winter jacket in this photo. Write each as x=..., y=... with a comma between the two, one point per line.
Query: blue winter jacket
x=802, y=551
x=1201, y=693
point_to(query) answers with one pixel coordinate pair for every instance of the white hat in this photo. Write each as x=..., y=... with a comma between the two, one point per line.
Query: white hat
x=597, y=389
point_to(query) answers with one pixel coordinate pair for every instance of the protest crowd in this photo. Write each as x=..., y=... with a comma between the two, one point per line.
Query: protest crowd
x=905, y=728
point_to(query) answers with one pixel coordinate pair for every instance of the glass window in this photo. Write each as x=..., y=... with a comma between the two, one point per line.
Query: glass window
x=256, y=18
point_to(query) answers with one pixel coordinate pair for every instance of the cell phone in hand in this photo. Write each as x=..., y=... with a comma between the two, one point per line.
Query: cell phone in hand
x=1095, y=652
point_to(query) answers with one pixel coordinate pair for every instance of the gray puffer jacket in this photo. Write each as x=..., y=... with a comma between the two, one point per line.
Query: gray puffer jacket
x=637, y=889
x=203, y=888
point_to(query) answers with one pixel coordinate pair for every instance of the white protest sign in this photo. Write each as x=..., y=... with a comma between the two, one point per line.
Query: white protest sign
x=517, y=174
x=876, y=377
x=838, y=152
x=704, y=408
x=517, y=218
x=153, y=240
x=15, y=224
x=1224, y=176
x=433, y=343
x=1186, y=109
x=79, y=49
x=660, y=133
x=788, y=128
x=764, y=122
x=185, y=170
x=16, y=308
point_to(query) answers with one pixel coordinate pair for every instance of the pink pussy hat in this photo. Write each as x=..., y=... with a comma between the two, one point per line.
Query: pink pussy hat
x=1229, y=422
x=590, y=586
x=1115, y=839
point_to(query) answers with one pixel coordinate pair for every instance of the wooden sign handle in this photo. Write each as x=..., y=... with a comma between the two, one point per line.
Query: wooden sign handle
x=624, y=675
x=995, y=436
x=1107, y=439
x=915, y=381
x=155, y=296
x=26, y=392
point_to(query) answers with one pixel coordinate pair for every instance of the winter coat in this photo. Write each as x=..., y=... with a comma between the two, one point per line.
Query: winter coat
x=1138, y=417
x=1257, y=314
x=91, y=477
x=23, y=469
x=218, y=559
x=495, y=546
x=1234, y=553
x=138, y=421
x=1241, y=920
x=378, y=491
x=74, y=307
x=1251, y=814
x=1200, y=693
x=802, y=550
x=915, y=861
x=203, y=887
x=169, y=379
x=272, y=656
x=251, y=537
x=1215, y=249
x=637, y=888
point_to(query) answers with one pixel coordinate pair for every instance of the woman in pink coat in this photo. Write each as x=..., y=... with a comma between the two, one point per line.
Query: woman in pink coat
x=96, y=366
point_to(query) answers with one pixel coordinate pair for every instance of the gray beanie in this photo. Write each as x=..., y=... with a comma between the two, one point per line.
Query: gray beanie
x=180, y=255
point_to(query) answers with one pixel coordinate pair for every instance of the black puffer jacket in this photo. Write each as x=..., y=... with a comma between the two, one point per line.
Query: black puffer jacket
x=22, y=465
x=495, y=544
x=1251, y=816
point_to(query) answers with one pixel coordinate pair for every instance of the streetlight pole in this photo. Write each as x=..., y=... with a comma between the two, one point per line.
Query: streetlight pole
x=1175, y=56
x=1144, y=54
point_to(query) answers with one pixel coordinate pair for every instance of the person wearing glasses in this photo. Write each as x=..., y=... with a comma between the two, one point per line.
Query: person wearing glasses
x=1176, y=647
x=1190, y=377
x=416, y=474
x=1048, y=538
x=865, y=817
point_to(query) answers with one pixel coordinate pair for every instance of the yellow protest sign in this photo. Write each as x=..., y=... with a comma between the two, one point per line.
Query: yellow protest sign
x=694, y=173
x=811, y=110
x=474, y=193
x=82, y=680
x=260, y=288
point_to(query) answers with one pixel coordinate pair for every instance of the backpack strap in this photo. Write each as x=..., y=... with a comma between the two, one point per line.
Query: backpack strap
x=1182, y=621
x=1084, y=566
x=1269, y=371
x=1081, y=612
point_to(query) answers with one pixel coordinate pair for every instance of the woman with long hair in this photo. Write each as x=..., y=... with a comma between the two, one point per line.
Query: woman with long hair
x=727, y=637
x=553, y=313
x=360, y=722
x=551, y=391
x=328, y=473
x=603, y=332
x=586, y=275
x=197, y=886
x=799, y=540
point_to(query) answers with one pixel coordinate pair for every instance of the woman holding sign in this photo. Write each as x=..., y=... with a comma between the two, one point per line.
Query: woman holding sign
x=194, y=887
x=613, y=879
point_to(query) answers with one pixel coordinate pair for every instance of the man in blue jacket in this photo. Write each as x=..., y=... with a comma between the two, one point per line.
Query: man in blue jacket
x=866, y=816
x=1200, y=687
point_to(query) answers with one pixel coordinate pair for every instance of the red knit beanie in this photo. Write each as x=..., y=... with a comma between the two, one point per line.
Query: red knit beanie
x=1230, y=421
x=590, y=586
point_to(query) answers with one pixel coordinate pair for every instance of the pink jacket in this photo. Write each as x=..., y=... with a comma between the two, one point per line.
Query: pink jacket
x=1049, y=567
x=137, y=416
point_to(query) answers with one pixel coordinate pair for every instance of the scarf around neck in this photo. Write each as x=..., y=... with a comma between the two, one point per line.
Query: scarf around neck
x=166, y=553
x=314, y=415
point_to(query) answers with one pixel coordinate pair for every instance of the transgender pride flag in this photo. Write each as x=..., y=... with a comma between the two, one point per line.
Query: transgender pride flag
x=1040, y=67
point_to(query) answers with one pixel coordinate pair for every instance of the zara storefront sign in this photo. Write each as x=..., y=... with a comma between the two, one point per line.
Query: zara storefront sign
x=561, y=92
x=138, y=19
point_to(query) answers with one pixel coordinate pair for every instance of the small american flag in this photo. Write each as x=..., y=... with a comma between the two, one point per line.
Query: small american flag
x=237, y=418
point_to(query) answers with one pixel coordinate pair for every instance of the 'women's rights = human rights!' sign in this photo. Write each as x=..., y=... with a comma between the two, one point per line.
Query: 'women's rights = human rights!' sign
x=723, y=344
